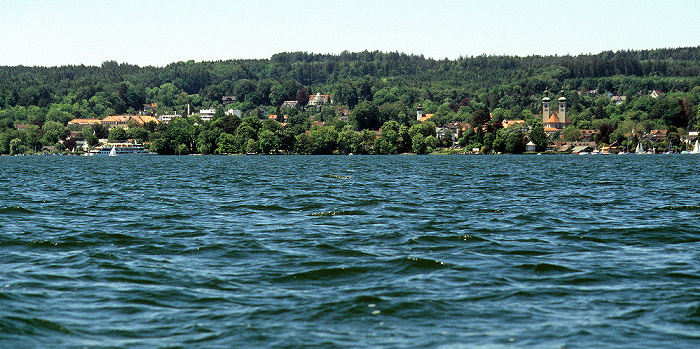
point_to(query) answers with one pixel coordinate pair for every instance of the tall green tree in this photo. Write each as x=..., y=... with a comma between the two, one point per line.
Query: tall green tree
x=365, y=116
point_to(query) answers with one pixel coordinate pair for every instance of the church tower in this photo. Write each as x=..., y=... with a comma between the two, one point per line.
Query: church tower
x=562, y=107
x=419, y=112
x=546, y=101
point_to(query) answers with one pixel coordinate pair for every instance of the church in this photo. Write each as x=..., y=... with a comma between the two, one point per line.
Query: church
x=553, y=122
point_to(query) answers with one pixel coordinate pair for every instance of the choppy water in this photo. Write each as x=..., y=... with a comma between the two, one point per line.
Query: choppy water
x=350, y=251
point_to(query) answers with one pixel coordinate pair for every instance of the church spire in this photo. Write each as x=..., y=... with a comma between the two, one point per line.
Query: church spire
x=546, y=102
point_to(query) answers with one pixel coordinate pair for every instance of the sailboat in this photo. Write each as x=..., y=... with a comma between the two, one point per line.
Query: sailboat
x=696, y=149
x=640, y=149
x=113, y=152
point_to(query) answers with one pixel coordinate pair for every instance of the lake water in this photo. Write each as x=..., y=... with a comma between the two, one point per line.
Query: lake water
x=350, y=251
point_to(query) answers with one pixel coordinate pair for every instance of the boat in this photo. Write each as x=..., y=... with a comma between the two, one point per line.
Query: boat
x=115, y=149
x=639, y=149
x=696, y=149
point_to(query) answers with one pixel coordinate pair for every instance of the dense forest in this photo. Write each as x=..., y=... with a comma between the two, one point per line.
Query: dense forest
x=373, y=87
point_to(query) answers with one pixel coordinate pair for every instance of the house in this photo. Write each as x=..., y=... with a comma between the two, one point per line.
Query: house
x=619, y=99
x=123, y=120
x=509, y=123
x=318, y=100
x=84, y=122
x=236, y=112
x=116, y=121
x=207, y=114
x=656, y=135
x=150, y=108
x=291, y=104
x=342, y=111
x=587, y=135
x=420, y=116
x=457, y=128
x=656, y=94
x=21, y=126
x=77, y=138
x=562, y=147
x=167, y=118
x=530, y=147
x=143, y=119
x=690, y=137
x=225, y=100
x=274, y=117
x=581, y=149
x=454, y=129
x=48, y=149
x=611, y=149
x=551, y=121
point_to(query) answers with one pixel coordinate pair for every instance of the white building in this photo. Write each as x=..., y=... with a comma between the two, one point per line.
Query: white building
x=207, y=114
x=167, y=118
x=235, y=112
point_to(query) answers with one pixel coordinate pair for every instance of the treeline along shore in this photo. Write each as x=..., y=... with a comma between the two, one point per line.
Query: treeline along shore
x=360, y=103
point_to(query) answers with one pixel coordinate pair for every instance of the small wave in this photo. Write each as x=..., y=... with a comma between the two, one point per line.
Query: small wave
x=173, y=216
x=337, y=176
x=546, y=268
x=680, y=275
x=19, y=325
x=324, y=274
x=413, y=264
x=527, y=253
x=253, y=208
x=338, y=213
x=43, y=243
x=681, y=208
x=15, y=210
x=450, y=239
x=342, y=252
x=694, y=311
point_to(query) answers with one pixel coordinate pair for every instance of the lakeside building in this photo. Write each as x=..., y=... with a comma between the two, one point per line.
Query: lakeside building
x=319, y=100
x=115, y=121
x=84, y=122
x=420, y=116
x=554, y=121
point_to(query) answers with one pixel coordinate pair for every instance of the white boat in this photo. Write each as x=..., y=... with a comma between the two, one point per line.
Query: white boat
x=696, y=149
x=639, y=149
x=114, y=149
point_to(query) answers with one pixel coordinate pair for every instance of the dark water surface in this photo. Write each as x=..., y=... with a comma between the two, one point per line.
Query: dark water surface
x=350, y=251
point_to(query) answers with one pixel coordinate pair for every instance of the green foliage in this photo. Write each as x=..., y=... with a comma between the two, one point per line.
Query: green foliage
x=269, y=142
x=348, y=140
x=419, y=144
x=139, y=134
x=365, y=116
x=117, y=134
x=571, y=134
x=304, y=144
x=226, y=143
x=16, y=146
x=538, y=137
x=425, y=128
x=53, y=132
x=465, y=90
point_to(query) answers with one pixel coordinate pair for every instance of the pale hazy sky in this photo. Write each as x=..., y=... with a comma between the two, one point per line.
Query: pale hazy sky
x=61, y=32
